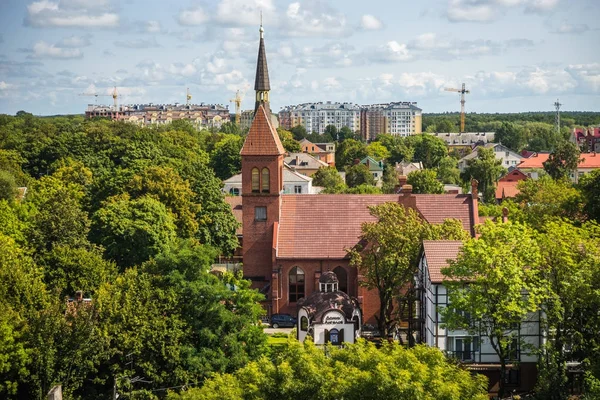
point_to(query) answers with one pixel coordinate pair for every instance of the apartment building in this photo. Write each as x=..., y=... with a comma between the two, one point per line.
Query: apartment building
x=316, y=116
x=400, y=118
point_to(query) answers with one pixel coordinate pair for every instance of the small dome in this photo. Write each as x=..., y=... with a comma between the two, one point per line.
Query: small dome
x=328, y=277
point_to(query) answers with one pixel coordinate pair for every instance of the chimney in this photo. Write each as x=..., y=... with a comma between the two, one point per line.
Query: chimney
x=504, y=215
x=402, y=179
x=297, y=160
x=407, y=190
x=474, y=204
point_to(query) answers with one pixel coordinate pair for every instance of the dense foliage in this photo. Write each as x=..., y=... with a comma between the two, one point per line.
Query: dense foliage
x=132, y=218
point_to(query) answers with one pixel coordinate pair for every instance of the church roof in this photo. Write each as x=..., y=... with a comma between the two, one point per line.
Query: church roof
x=261, y=81
x=324, y=226
x=262, y=140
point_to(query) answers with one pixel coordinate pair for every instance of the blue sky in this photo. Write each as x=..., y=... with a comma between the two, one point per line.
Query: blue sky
x=514, y=55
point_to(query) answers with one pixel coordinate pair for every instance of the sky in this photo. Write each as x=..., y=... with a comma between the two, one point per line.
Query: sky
x=514, y=55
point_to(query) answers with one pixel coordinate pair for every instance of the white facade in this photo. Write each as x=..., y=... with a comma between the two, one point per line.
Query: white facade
x=508, y=157
x=462, y=345
x=333, y=322
x=293, y=183
x=316, y=116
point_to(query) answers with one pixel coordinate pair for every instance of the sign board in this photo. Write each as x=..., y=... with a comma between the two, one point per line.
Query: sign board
x=333, y=318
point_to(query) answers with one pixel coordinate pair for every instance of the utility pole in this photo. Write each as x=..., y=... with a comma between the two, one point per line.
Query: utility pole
x=557, y=116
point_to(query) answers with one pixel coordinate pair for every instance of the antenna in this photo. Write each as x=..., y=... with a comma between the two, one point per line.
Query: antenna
x=557, y=116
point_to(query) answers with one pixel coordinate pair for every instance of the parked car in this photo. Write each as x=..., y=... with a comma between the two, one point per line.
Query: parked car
x=282, y=321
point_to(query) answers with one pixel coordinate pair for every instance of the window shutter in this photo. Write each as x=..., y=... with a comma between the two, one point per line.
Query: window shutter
x=326, y=335
x=341, y=336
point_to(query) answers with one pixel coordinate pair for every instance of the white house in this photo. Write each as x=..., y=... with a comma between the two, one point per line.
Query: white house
x=476, y=351
x=329, y=315
x=508, y=157
x=293, y=182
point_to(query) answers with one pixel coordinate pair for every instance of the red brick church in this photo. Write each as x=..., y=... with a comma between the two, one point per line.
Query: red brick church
x=289, y=240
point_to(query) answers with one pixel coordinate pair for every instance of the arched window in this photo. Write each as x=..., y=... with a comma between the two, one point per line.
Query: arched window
x=304, y=324
x=265, y=180
x=255, y=180
x=296, y=286
x=342, y=276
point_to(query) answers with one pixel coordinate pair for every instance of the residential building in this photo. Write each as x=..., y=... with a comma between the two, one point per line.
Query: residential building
x=464, y=142
x=509, y=158
x=399, y=119
x=315, y=117
x=506, y=187
x=534, y=165
x=293, y=182
x=247, y=116
x=290, y=240
x=588, y=139
x=375, y=167
x=475, y=352
x=323, y=151
x=199, y=115
x=405, y=168
x=303, y=163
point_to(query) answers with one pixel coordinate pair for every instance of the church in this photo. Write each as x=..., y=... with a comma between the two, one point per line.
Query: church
x=290, y=240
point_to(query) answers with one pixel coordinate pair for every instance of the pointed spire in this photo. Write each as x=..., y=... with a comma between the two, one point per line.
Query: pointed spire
x=261, y=82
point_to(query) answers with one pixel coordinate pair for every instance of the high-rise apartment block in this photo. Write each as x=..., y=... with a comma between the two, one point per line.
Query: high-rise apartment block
x=399, y=118
x=316, y=116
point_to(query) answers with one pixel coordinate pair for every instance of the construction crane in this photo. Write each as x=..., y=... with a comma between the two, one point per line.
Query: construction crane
x=115, y=95
x=188, y=97
x=462, y=92
x=237, y=100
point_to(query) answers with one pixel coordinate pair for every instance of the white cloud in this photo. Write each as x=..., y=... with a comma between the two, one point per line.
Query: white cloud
x=392, y=51
x=78, y=13
x=44, y=50
x=246, y=12
x=587, y=76
x=153, y=27
x=313, y=19
x=4, y=85
x=567, y=28
x=488, y=10
x=75, y=41
x=370, y=22
x=138, y=43
x=192, y=17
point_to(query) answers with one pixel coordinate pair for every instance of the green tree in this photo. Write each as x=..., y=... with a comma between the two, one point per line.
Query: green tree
x=230, y=128
x=132, y=231
x=390, y=179
x=542, y=136
x=398, y=148
x=8, y=186
x=445, y=125
x=388, y=254
x=348, y=151
x=589, y=185
x=428, y=149
x=378, y=151
x=299, y=132
x=425, y=181
x=331, y=131
x=356, y=371
x=570, y=260
x=346, y=133
x=511, y=135
x=165, y=185
x=359, y=174
x=329, y=178
x=448, y=172
x=225, y=159
x=563, y=161
x=287, y=140
x=362, y=189
x=486, y=169
x=487, y=283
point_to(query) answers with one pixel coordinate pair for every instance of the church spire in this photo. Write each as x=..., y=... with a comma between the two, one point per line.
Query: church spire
x=261, y=83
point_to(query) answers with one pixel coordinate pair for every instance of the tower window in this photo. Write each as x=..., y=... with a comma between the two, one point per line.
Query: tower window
x=296, y=284
x=265, y=180
x=255, y=180
x=260, y=213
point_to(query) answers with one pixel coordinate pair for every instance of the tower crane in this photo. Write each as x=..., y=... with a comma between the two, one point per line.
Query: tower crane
x=462, y=92
x=237, y=100
x=115, y=95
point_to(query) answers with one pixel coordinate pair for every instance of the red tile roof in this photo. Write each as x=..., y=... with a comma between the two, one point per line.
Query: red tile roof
x=324, y=226
x=437, y=253
x=236, y=207
x=586, y=160
x=262, y=140
x=507, y=189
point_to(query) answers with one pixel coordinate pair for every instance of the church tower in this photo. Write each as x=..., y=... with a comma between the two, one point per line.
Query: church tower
x=262, y=183
x=261, y=82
